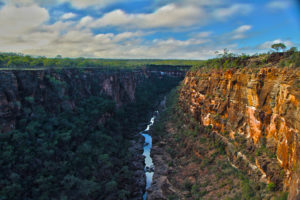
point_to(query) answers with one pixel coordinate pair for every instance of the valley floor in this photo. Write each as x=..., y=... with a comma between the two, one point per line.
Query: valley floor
x=189, y=164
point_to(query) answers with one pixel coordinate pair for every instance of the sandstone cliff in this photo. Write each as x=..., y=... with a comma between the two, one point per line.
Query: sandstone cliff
x=256, y=112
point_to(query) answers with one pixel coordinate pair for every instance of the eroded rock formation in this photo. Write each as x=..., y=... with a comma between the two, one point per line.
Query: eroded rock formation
x=261, y=105
x=59, y=89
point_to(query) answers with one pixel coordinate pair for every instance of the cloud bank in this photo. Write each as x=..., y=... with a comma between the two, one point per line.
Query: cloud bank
x=28, y=26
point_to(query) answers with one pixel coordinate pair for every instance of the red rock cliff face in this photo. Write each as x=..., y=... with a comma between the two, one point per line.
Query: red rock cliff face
x=263, y=105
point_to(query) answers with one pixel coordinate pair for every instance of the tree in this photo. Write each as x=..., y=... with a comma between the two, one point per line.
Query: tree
x=293, y=49
x=278, y=46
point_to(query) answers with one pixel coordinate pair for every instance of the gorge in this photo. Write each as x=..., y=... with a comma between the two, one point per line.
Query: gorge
x=75, y=131
x=234, y=135
x=225, y=133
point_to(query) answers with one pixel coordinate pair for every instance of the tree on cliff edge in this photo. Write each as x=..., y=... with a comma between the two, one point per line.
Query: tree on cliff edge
x=278, y=46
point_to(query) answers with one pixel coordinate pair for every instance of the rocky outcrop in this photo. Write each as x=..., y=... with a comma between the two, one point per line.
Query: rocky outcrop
x=60, y=89
x=294, y=192
x=257, y=110
x=137, y=163
x=160, y=187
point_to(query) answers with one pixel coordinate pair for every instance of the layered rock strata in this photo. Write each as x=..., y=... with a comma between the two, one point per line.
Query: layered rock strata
x=257, y=108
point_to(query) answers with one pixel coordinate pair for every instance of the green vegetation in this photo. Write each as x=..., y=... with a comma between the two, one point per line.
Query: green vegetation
x=263, y=150
x=293, y=58
x=64, y=156
x=76, y=154
x=187, y=185
x=278, y=46
x=19, y=61
x=173, y=197
x=227, y=60
x=247, y=191
x=283, y=196
x=193, y=147
x=271, y=186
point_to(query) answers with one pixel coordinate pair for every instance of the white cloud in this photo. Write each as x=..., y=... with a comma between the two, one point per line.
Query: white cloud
x=180, y=43
x=203, y=34
x=75, y=38
x=279, y=5
x=67, y=16
x=239, y=33
x=114, y=18
x=206, y=3
x=168, y=16
x=243, y=29
x=81, y=4
x=16, y=21
x=85, y=21
x=128, y=35
x=224, y=13
x=89, y=3
x=29, y=2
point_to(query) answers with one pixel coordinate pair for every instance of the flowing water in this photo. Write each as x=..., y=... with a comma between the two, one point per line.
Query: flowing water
x=149, y=166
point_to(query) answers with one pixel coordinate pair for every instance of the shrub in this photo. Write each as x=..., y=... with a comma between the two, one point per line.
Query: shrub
x=195, y=189
x=247, y=190
x=283, y=196
x=111, y=186
x=173, y=197
x=187, y=185
x=203, y=140
x=271, y=186
x=29, y=99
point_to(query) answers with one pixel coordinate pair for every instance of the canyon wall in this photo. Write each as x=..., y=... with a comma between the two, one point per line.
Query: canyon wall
x=62, y=116
x=256, y=112
x=58, y=90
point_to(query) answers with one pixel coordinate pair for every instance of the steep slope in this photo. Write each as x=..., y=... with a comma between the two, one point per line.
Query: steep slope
x=73, y=134
x=230, y=134
x=260, y=105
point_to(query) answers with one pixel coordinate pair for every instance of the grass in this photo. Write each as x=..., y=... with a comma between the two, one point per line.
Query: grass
x=173, y=197
x=283, y=196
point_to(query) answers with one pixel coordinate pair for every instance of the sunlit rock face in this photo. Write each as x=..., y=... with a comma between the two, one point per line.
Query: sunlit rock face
x=260, y=104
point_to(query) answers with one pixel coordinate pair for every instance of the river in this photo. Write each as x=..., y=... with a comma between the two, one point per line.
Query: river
x=149, y=166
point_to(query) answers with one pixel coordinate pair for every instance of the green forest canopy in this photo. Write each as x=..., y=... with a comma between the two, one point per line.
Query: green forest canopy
x=17, y=61
x=71, y=154
x=223, y=60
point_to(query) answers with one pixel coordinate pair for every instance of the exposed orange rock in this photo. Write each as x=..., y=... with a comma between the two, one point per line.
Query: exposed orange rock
x=261, y=104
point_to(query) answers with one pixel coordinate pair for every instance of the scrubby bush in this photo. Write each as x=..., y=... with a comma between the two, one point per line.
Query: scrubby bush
x=271, y=186
x=187, y=185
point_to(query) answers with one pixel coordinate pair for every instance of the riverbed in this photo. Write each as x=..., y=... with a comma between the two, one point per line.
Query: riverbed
x=149, y=166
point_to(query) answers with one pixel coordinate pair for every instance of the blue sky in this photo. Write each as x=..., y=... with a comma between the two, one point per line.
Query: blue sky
x=163, y=29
